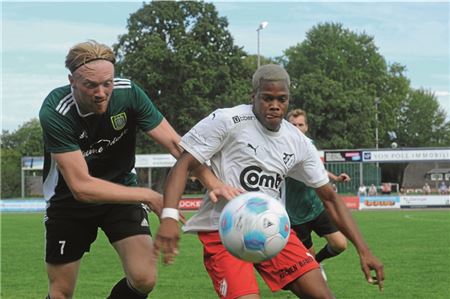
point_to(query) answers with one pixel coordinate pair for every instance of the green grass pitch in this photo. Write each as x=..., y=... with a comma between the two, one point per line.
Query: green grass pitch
x=414, y=246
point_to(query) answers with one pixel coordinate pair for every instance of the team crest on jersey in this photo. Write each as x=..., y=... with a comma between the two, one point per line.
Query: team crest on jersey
x=288, y=159
x=119, y=121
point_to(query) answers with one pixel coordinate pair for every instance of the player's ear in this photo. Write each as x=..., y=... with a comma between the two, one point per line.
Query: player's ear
x=70, y=77
x=253, y=97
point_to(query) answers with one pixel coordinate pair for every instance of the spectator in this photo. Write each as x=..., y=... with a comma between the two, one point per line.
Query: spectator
x=362, y=190
x=426, y=189
x=443, y=188
x=372, y=190
x=386, y=188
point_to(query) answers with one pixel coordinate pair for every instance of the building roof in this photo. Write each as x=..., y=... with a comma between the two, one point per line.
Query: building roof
x=438, y=170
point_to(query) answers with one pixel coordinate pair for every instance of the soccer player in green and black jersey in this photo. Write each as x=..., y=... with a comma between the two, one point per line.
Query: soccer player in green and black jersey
x=306, y=210
x=89, y=129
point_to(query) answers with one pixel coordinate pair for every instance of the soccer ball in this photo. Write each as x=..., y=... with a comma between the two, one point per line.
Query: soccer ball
x=254, y=227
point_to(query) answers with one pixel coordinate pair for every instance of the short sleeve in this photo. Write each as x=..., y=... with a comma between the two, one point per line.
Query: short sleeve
x=59, y=135
x=147, y=115
x=310, y=170
x=207, y=137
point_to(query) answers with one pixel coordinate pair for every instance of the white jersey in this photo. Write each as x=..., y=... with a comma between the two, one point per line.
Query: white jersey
x=243, y=153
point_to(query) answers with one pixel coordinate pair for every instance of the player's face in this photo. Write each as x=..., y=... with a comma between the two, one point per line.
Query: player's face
x=299, y=122
x=92, y=86
x=270, y=103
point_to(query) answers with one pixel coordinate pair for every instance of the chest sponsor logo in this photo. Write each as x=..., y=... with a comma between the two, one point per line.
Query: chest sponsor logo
x=119, y=121
x=239, y=118
x=252, y=178
x=101, y=145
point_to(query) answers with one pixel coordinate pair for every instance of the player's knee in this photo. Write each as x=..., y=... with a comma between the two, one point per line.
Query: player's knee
x=144, y=283
x=339, y=245
x=60, y=294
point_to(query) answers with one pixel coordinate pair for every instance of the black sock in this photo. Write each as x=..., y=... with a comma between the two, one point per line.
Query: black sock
x=325, y=253
x=122, y=290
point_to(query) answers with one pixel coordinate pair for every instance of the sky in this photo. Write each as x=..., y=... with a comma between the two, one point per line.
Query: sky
x=36, y=37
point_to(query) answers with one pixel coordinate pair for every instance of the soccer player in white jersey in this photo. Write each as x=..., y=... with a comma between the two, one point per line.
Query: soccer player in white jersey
x=252, y=147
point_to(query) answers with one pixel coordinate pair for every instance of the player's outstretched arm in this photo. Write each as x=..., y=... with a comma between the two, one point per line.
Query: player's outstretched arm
x=343, y=219
x=343, y=177
x=166, y=239
x=166, y=135
x=87, y=188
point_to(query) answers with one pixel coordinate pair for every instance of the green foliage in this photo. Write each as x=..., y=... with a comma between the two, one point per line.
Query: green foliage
x=27, y=139
x=394, y=90
x=10, y=173
x=422, y=121
x=182, y=54
x=336, y=75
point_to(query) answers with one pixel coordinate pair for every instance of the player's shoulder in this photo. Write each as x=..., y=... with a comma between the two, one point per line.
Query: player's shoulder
x=59, y=100
x=295, y=136
x=293, y=132
x=122, y=83
x=234, y=115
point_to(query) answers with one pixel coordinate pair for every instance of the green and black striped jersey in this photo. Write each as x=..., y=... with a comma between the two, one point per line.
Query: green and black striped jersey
x=106, y=141
x=302, y=203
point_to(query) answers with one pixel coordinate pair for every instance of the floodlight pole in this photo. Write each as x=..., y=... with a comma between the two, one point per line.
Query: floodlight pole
x=260, y=27
x=377, y=102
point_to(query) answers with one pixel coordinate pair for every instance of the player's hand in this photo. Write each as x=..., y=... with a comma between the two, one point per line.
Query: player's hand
x=368, y=263
x=166, y=240
x=225, y=191
x=155, y=203
x=343, y=177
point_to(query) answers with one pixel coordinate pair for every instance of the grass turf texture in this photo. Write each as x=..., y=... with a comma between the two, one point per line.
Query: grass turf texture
x=413, y=245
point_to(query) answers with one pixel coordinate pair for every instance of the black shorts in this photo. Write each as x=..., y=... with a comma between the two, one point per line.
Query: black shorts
x=321, y=225
x=68, y=238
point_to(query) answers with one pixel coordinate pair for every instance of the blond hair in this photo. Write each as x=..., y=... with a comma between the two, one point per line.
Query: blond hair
x=270, y=72
x=85, y=52
x=297, y=112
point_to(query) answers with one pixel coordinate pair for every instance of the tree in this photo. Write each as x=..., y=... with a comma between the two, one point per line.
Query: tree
x=394, y=90
x=422, y=122
x=26, y=140
x=336, y=75
x=10, y=173
x=182, y=54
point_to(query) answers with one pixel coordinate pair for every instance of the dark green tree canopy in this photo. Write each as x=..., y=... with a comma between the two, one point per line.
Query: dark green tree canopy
x=26, y=140
x=337, y=77
x=421, y=122
x=182, y=54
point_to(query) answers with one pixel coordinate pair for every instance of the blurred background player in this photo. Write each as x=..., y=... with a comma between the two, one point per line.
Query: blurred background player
x=306, y=210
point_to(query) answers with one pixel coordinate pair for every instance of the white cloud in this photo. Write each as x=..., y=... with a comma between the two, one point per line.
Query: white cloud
x=54, y=36
x=46, y=44
x=23, y=95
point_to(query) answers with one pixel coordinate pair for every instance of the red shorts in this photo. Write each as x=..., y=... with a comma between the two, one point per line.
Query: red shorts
x=233, y=277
